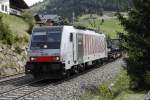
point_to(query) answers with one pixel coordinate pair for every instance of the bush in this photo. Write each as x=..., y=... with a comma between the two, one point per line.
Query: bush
x=6, y=35
x=121, y=83
x=105, y=93
x=87, y=96
x=30, y=19
x=21, y=39
x=111, y=91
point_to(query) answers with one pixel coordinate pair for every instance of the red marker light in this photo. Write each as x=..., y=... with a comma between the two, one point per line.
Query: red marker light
x=45, y=59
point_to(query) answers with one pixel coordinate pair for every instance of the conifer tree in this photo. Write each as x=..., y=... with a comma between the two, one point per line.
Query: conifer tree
x=136, y=42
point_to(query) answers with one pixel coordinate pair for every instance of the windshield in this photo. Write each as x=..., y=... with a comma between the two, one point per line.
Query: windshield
x=46, y=40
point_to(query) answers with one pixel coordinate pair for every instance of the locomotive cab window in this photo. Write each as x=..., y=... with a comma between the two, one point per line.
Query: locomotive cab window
x=46, y=40
x=71, y=37
x=53, y=40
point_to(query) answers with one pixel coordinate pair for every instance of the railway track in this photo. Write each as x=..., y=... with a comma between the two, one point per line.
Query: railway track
x=7, y=85
x=11, y=77
x=14, y=80
x=22, y=91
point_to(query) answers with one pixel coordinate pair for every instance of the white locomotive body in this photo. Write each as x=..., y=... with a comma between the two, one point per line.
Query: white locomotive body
x=54, y=51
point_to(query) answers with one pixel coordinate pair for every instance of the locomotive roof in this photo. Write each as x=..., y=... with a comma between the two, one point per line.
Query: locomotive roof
x=48, y=28
x=60, y=28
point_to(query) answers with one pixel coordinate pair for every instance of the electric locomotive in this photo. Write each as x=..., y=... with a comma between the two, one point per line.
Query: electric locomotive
x=57, y=51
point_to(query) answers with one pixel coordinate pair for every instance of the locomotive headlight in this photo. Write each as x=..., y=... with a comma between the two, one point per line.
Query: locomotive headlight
x=57, y=58
x=45, y=46
x=109, y=50
x=33, y=58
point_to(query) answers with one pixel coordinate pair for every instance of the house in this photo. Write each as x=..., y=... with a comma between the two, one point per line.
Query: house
x=49, y=19
x=14, y=7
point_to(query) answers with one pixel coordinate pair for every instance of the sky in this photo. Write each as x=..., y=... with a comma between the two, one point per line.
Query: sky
x=31, y=2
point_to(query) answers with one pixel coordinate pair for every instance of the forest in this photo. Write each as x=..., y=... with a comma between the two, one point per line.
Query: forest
x=67, y=7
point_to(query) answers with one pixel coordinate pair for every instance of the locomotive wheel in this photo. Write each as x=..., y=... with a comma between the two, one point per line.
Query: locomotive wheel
x=99, y=63
x=35, y=75
x=81, y=68
x=66, y=74
x=75, y=70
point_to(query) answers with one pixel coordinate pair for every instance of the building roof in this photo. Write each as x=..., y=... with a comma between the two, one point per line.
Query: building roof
x=49, y=16
x=46, y=17
x=19, y=4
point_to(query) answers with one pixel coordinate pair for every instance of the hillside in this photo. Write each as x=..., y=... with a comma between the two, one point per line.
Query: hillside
x=13, y=41
x=16, y=24
x=65, y=7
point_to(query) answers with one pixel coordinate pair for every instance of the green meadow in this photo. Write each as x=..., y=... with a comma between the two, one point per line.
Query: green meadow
x=110, y=26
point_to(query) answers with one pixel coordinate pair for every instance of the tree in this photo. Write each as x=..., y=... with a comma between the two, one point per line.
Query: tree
x=136, y=42
x=66, y=7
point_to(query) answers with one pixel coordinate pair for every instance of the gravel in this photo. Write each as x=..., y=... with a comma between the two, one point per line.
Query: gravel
x=14, y=83
x=71, y=89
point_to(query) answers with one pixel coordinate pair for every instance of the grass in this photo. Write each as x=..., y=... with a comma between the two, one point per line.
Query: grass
x=110, y=26
x=131, y=96
x=87, y=16
x=16, y=24
x=18, y=28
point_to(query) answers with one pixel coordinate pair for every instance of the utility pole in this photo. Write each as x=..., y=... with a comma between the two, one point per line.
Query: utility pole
x=73, y=17
x=118, y=7
x=73, y=13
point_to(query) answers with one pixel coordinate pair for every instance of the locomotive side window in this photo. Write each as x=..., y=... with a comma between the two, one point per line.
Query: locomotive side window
x=39, y=37
x=71, y=37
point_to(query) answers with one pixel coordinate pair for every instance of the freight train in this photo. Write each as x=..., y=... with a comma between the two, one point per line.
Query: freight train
x=58, y=51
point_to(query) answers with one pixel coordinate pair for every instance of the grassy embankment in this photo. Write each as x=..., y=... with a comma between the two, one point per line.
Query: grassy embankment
x=116, y=89
x=17, y=25
x=18, y=28
x=13, y=41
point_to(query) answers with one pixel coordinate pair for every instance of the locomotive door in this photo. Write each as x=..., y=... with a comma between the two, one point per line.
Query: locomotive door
x=74, y=49
x=80, y=48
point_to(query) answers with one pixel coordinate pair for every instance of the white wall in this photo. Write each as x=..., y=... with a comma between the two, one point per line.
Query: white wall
x=5, y=4
x=15, y=12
